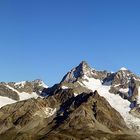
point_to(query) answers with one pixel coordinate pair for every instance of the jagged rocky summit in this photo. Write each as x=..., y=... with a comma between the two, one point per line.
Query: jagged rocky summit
x=86, y=105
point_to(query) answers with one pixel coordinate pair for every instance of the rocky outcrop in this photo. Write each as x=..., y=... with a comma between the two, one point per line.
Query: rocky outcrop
x=6, y=92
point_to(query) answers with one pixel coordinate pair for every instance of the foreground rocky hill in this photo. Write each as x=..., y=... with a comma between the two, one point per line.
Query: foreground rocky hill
x=62, y=116
x=86, y=105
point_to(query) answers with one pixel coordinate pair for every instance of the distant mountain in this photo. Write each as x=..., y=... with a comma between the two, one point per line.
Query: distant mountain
x=12, y=92
x=86, y=105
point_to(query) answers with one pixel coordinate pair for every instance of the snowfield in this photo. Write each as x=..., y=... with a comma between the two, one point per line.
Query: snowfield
x=22, y=96
x=25, y=96
x=118, y=103
x=5, y=101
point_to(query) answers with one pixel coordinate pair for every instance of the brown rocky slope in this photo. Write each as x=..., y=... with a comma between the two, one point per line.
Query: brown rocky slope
x=63, y=116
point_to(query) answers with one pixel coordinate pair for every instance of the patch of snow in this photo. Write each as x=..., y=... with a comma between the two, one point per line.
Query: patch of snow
x=64, y=87
x=123, y=69
x=22, y=96
x=124, y=90
x=117, y=85
x=94, y=81
x=119, y=104
x=25, y=96
x=75, y=94
x=5, y=101
x=138, y=101
x=45, y=112
x=49, y=111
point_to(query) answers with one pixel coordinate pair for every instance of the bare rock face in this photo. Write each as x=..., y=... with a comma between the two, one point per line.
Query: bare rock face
x=78, y=72
x=6, y=92
x=100, y=74
x=61, y=115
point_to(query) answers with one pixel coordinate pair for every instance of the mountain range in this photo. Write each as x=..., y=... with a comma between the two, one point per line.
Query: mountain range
x=86, y=104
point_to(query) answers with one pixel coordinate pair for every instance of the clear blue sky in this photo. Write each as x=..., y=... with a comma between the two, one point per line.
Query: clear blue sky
x=46, y=38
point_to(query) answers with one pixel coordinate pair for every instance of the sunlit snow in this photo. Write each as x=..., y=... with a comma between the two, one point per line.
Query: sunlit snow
x=22, y=96
x=64, y=87
x=45, y=112
x=5, y=100
x=139, y=95
x=123, y=69
x=118, y=103
x=124, y=90
x=25, y=96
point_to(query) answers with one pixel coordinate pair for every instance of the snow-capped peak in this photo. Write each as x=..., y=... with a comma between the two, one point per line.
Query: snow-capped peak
x=123, y=69
x=82, y=69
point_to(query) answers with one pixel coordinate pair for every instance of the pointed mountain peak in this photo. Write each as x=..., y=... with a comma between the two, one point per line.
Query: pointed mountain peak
x=83, y=63
x=82, y=69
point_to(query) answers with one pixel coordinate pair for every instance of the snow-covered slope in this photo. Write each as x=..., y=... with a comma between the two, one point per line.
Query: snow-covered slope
x=5, y=101
x=121, y=89
x=13, y=92
x=118, y=103
x=24, y=95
